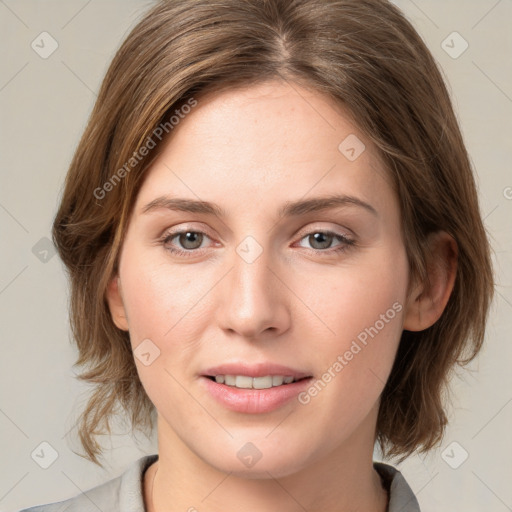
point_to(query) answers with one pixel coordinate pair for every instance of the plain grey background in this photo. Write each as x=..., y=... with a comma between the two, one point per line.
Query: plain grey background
x=45, y=100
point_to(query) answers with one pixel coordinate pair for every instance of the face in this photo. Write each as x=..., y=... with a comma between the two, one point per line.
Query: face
x=262, y=283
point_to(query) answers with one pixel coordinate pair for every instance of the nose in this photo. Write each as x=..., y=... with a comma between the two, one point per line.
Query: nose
x=254, y=299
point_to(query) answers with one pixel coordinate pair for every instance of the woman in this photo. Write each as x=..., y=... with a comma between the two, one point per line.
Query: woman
x=274, y=243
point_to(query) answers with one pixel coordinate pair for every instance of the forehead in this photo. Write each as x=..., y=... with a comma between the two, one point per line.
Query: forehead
x=257, y=146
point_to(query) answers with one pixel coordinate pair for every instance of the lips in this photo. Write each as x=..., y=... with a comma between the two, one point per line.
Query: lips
x=258, y=398
x=254, y=370
x=254, y=401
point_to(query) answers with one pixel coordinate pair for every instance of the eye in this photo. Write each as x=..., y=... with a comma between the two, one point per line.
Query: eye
x=188, y=239
x=321, y=240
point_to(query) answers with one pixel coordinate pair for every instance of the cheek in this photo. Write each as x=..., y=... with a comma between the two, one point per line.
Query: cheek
x=159, y=303
x=156, y=297
x=363, y=308
x=354, y=297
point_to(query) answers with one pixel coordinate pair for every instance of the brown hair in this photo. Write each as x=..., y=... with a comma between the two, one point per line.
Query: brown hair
x=365, y=55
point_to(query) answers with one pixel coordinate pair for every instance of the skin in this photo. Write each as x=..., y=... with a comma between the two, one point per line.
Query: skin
x=299, y=303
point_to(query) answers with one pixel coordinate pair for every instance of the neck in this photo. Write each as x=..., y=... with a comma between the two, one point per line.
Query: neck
x=341, y=481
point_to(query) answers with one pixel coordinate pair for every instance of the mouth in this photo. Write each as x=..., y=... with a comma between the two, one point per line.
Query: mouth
x=255, y=388
x=249, y=394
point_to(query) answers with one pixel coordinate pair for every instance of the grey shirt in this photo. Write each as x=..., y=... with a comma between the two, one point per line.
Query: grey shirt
x=125, y=492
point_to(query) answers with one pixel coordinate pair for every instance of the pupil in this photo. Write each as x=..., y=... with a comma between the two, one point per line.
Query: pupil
x=317, y=237
x=189, y=238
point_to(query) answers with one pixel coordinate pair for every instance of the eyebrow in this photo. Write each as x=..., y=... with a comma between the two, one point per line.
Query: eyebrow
x=289, y=209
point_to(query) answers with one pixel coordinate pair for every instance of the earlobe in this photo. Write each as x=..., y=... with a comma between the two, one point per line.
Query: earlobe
x=116, y=305
x=428, y=300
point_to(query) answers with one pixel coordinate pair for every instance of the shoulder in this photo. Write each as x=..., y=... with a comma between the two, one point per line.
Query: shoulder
x=401, y=497
x=117, y=495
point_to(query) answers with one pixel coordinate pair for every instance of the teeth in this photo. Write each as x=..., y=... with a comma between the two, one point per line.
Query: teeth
x=245, y=382
x=229, y=380
x=277, y=380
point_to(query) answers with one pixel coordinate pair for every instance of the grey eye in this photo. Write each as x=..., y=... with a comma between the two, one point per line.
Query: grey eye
x=190, y=239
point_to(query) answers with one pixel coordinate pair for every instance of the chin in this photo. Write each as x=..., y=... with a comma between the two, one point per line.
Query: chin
x=277, y=463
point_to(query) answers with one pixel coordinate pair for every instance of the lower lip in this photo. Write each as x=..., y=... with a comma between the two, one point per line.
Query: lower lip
x=254, y=401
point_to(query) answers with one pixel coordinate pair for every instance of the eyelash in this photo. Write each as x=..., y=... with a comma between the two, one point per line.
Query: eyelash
x=344, y=246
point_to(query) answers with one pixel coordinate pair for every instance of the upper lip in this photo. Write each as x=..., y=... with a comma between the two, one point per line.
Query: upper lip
x=254, y=370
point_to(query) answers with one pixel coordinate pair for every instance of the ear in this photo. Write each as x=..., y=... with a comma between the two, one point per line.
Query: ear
x=115, y=303
x=427, y=300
